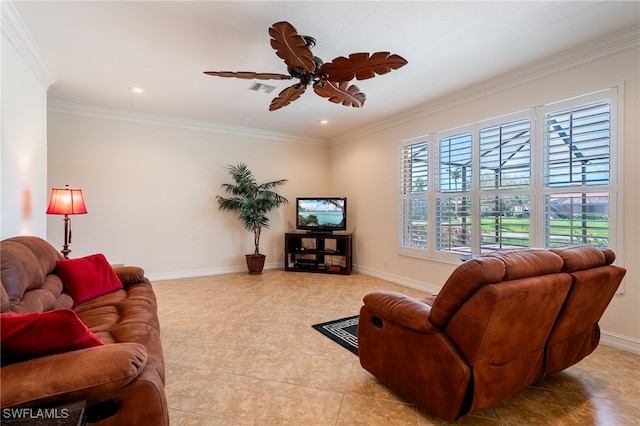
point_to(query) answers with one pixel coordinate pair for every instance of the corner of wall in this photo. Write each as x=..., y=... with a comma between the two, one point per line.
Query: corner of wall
x=20, y=38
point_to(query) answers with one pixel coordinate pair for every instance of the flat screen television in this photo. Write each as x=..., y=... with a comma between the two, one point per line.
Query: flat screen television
x=321, y=214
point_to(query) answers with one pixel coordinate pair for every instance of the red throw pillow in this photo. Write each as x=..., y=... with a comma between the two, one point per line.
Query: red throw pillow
x=31, y=335
x=87, y=277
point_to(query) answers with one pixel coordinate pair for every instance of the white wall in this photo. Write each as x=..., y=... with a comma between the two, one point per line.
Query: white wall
x=150, y=192
x=23, y=143
x=365, y=168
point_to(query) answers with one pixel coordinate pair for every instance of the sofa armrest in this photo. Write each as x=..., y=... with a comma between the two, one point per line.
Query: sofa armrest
x=129, y=274
x=85, y=374
x=400, y=309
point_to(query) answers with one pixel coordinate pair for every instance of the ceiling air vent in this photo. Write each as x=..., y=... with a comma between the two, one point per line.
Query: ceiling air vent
x=259, y=87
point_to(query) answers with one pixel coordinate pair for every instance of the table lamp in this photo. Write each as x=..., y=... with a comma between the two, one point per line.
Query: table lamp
x=66, y=201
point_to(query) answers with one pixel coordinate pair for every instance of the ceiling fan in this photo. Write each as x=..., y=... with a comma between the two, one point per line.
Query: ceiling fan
x=329, y=80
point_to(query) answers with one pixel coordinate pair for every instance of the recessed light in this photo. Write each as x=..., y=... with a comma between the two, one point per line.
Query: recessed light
x=324, y=121
x=137, y=89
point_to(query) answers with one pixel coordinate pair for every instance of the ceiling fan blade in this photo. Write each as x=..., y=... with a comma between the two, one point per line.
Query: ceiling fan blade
x=361, y=66
x=291, y=47
x=340, y=93
x=249, y=75
x=287, y=96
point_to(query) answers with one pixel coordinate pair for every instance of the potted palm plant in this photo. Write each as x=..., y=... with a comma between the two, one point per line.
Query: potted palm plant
x=251, y=202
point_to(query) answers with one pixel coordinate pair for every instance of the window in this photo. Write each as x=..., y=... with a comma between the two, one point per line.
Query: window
x=511, y=183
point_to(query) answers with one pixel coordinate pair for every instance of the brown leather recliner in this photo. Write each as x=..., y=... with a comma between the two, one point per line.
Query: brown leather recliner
x=500, y=323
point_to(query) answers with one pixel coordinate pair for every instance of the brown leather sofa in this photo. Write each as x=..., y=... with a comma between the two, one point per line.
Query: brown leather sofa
x=500, y=323
x=120, y=382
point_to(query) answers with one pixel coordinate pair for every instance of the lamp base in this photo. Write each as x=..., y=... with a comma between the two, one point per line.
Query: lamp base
x=65, y=252
x=67, y=237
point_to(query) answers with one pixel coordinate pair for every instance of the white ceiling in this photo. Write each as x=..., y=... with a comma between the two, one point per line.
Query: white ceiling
x=100, y=50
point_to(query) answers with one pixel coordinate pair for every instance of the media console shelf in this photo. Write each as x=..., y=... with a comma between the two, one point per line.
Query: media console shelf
x=329, y=253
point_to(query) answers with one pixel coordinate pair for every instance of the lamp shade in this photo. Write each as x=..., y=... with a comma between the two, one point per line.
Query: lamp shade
x=66, y=201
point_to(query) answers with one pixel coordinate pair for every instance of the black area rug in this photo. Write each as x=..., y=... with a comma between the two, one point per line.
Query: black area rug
x=343, y=331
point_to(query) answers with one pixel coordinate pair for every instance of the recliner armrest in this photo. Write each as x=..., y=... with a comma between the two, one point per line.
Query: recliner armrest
x=86, y=374
x=400, y=309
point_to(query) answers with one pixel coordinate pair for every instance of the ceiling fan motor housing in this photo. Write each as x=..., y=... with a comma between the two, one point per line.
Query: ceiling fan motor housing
x=311, y=42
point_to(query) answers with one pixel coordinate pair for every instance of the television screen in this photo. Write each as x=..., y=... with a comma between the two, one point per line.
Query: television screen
x=321, y=214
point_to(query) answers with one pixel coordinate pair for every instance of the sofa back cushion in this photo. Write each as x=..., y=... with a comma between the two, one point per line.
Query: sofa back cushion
x=26, y=264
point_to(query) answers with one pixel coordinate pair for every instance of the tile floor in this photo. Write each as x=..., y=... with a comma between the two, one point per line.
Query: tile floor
x=240, y=350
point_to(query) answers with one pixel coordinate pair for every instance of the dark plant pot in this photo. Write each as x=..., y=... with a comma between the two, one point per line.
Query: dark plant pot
x=255, y=263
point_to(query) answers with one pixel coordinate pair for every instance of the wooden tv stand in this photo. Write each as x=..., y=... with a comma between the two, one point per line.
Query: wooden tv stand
x=329, y=253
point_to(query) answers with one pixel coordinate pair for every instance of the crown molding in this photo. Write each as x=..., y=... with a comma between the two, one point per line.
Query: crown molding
x=181, y=123
x=20, y=38
x=601, y=48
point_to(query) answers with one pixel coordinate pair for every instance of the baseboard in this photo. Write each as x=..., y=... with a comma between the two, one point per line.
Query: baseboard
x=397, y=279
x=619, y=341
x=160, y=276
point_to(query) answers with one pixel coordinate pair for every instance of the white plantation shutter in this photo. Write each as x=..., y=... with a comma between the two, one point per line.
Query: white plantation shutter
x=454, y=168
x=577, y=146
x=577, y=174
x=453, y=216
x=577, y=218
x=453, y=204
x=505, y=155
x=415, y=168
x=505, y=180
x=505, y=222
x=414, y=185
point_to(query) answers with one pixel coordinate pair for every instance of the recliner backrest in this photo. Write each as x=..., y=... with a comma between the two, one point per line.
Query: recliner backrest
x=502, y=331
x=499, y=312
x=469, y=277
x=594, y=282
